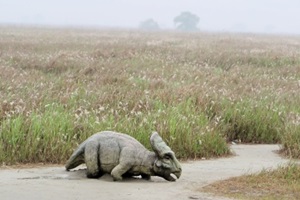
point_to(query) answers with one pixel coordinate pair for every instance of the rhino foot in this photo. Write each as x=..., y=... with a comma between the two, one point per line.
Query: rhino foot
x=93, y=175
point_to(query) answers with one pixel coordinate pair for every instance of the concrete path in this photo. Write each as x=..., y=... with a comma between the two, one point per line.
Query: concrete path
x=51, y=183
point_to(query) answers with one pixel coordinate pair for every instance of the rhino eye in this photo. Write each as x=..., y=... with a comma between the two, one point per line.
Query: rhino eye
x=168, y=157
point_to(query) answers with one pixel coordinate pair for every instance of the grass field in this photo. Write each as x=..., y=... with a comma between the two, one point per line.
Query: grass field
x=282, y=183
x=198, y=90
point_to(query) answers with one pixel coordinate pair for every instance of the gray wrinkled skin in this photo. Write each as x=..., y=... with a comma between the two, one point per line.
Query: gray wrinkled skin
x=123, y=156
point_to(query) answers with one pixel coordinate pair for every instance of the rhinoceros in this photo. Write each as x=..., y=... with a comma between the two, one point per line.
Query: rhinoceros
x=123, y=156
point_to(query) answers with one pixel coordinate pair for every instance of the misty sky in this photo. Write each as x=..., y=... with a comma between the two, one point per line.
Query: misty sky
x=267, y=16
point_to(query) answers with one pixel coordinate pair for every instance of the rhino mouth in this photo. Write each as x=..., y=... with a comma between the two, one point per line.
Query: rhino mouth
x=172, y=176
x=177, y=174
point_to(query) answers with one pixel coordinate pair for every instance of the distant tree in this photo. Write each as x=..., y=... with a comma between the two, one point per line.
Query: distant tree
x=149, y=25
x=186, y=21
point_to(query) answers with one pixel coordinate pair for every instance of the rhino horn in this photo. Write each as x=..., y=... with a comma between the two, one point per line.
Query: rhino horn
x=158, y=145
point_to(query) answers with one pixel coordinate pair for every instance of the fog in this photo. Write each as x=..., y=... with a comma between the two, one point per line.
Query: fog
x=254, y=16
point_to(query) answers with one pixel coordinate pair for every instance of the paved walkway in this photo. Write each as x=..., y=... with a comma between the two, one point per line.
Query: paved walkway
x=51, y=183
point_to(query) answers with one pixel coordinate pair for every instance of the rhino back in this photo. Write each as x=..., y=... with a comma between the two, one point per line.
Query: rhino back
x=111, y=145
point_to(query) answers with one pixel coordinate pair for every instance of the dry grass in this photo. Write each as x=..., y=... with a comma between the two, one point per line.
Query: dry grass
x=282, y=183
x=58, y=86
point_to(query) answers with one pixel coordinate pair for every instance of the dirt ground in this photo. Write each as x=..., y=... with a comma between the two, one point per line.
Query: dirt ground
x=53, y=182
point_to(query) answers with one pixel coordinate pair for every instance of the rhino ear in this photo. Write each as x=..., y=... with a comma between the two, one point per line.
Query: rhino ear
x=158, y=145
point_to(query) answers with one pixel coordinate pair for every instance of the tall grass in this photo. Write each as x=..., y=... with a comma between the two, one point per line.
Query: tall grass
x=29, y=139
x=198, y=91
x=252, y=123
x=50, y=136
x=291, y=141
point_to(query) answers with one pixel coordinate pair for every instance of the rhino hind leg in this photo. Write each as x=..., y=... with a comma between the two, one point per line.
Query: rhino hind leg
x=91, y=156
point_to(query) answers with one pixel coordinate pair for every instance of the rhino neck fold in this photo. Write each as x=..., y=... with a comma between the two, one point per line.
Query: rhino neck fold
x=148, y=161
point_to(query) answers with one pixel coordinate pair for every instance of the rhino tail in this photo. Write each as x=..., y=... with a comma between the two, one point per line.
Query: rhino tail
x=77, y=158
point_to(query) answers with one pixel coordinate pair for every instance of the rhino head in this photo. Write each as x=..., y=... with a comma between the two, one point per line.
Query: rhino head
x=166, y=162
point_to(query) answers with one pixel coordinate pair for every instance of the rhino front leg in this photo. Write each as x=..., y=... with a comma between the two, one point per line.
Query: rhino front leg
x=118, y=171
x=91, y=159
x=125, y=163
